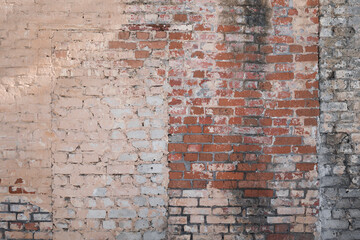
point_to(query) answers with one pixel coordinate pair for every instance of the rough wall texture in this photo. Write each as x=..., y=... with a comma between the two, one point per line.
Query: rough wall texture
x=178, y=119
x=339, y=149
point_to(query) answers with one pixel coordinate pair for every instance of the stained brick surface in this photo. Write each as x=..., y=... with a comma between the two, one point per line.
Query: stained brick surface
x=239, y=122
x=178, y=119
x=339, y=150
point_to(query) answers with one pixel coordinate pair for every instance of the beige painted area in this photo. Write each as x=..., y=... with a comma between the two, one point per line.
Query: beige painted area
x=68, y=115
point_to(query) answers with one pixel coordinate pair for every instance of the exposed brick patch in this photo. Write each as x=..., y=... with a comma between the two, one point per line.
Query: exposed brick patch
x=244, y=119
x=19, y=220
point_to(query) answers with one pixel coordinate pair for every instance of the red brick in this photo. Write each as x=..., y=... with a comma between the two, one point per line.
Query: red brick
x=306, y=166
x=160, y=35
x=32, y=226
x=175, y=45
x=194, y=129
x=280, y=39
x=179, y=184
x=124, y=35
x=279, y=58
x=220, y=111
x=197, y=110
x=245, y=167
x=205, y=157
x=287, y=141
x=231, y=102
x=178, y=129
x=276, y=131
x=177, y=166
x=289, y=176
x=252, y=184
x=221, y=157
x=180, y=17
x=198, y=55
x=308, y=112
x=224, y=184
x=247, y=148
x=224, y=56
x=124, y=45
x=199, y=74
x=260, y=140
x=190, y=120
x=197, y=138
x=228, y=28
x=296, y=48
x=248, y=94
x=199, y=184
x=134, y=63
x=312, y=3
x=178, y=36
x=194, y=148
x=191, y=157
x=282, y=228
x=142, y=54
x=306, y=94
x=249, y=111
x=259, y=176
x=277, y=150
x=258, y=193
x=142, y=35
x=227, y=139
x=307, y=58
x=198, y=175
x=235, y=120
x=237, y=157
x=228, y=64
x=202, y=27
x=278, y=112
x=217, y=148
x=174, y=157
x=282, y=20
x=304, y=149
x=230, y=175
x=153, y=44
x=251, y=122
x=221, y=167
x=310, y=122
x=175, y=175
x=177, y=147
x=280, y=76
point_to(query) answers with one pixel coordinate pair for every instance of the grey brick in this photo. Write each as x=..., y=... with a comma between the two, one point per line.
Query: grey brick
x=122, y=213
x=154, y=201
x=99, y=192
x=139, y=134
x=141, y=224
x=152, y=190
x=154, y=235
x=148, y=157
x=96, y=214
x=109, y=224
x=150, y=168
x=155, y=100
x=128, y=236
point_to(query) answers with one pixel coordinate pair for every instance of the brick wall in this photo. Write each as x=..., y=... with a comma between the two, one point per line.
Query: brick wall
x=178, y=119
x=339, y=151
